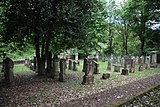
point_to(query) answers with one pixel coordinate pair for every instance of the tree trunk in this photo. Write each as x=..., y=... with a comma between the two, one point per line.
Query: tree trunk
x=142, y=47
x=41, y=66
x=110, y=41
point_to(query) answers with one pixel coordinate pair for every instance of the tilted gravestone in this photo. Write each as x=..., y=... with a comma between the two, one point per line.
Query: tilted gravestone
x=132, y=65
x=8, y=71
x=88, y=78
x=62, y=70
x=147, y=62
x=141, y=62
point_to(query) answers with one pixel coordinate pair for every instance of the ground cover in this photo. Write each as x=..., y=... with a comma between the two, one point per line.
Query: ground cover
x=31, y=90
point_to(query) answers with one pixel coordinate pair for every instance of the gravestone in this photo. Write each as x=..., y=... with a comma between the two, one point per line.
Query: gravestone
x=70, y=66
x=125, y=70
x=147, y=62
x=56, y=68
x=88, y=78
x=117, y=68
x=95, y=67
x=8, y=71
x=62, y=70
x=75, y=65
x=154, y=59
x=132, y=65
x=106, y=75
x=141, y=62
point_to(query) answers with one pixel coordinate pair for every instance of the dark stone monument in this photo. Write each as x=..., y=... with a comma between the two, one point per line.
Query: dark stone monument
x=95, y=67
x=106, y=76
x=141, y=62
x=125, y=70
x=132, y=65
x=62, y=70
x=88, y=78
x=8, y=71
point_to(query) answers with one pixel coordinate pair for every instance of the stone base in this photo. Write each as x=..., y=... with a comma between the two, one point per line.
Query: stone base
x=124, y=72
x=88, y=79
x=106, y=76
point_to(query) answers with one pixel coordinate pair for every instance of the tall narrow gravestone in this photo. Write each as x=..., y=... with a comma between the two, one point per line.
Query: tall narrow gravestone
x=88, y=78
x=154, y=59
x=95, y=67
x=147, y=63
x=141, y=62
x=8, y=71
x=125, y=70
x=132, y=65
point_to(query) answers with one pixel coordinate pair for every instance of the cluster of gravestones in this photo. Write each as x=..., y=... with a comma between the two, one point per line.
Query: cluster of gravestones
x=128, y=63
x=90, y=66
x=31, y=63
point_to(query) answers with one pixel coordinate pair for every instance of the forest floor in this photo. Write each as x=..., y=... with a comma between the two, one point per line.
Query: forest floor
x=31, y=90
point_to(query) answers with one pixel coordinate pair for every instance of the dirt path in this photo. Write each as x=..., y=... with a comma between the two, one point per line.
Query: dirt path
x=114, y=95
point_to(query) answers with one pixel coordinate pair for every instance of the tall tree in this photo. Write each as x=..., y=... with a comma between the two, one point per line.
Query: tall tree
x=42, y=22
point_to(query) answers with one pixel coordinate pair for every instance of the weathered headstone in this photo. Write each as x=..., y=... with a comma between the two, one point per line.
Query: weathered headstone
x=95, y=67
x=62, y=70
x=117, y=68
x=106, y=75
x=8, y=71
x=154, y=59
x=56, y=68
x=125, y=70
x=132, y=65
x=147, y=62
x=141, y=62
x=88, y=78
